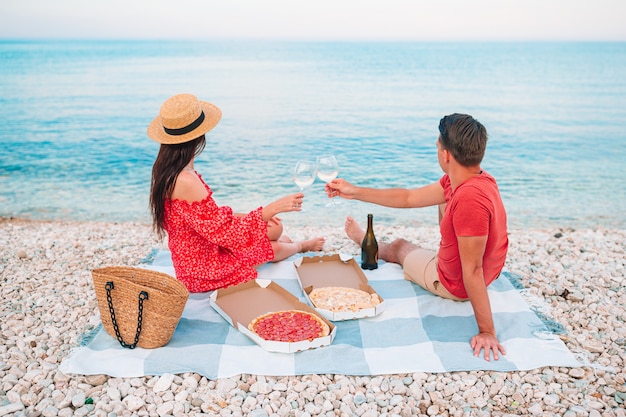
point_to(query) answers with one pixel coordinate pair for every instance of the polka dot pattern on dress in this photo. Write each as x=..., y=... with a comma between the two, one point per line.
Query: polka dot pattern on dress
x=211, y=247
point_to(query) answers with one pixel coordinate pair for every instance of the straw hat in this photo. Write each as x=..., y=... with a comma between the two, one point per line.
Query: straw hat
x=183, y=118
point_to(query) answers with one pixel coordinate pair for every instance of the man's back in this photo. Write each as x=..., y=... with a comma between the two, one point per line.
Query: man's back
x=475, y=208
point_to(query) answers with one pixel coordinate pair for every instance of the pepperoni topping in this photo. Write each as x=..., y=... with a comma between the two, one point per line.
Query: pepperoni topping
x=289, y=326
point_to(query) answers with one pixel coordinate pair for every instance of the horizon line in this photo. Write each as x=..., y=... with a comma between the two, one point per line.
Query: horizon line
x=311, y=39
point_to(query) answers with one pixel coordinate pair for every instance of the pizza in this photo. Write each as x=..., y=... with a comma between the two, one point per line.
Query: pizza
x=289, y=326
x=343, y=299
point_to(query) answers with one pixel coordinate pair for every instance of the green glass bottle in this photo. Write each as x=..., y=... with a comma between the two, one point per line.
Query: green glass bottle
x=369, y=246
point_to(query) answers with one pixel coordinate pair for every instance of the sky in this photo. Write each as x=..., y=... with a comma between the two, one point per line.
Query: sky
x=596, y=20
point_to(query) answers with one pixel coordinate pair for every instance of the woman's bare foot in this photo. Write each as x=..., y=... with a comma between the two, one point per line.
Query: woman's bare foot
x=283, y=250
x=285, y=239
x=315, y=244
x=354, y=231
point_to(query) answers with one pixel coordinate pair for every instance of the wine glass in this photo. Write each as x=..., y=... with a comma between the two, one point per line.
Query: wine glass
x=304, y=174
x=327, y=170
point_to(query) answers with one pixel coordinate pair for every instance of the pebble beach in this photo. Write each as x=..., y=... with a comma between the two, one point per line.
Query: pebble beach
x=48, y=303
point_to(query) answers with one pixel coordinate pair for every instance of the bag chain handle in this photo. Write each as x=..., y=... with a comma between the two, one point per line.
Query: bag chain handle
x=142, y=296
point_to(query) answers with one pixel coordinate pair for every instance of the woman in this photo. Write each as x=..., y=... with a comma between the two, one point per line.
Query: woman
x=211, y=246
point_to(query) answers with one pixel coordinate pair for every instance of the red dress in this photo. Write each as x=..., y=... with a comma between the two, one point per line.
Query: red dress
x=212, y=248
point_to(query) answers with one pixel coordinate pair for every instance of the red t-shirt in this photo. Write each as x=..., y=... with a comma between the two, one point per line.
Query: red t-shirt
x=212, y=248
x=474, y=209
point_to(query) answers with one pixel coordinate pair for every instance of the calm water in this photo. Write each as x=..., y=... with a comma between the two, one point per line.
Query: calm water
x=74, y=116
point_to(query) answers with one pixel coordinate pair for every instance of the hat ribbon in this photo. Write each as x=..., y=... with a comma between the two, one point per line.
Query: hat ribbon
x=186, y=129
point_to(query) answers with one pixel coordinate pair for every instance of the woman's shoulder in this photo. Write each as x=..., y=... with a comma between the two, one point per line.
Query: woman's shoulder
x=189, y=187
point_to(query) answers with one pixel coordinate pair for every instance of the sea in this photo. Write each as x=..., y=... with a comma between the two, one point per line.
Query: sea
x=74, y=114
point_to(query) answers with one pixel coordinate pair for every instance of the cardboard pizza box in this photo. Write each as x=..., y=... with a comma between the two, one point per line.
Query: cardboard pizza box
x=242, y=303
x=338, y=270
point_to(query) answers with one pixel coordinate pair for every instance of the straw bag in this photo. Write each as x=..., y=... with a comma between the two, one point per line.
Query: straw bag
x=138, y=306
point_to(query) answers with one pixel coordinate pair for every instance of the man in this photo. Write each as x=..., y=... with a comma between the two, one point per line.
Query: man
x=472, y=222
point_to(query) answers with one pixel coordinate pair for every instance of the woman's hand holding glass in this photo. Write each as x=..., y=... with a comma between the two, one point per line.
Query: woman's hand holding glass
x=292, y=202
x=304, y=174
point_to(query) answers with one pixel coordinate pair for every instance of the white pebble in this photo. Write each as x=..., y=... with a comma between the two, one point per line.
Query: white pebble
x=114, y=393
x=577, y=372
x=280, y=386
x=13, y=396
x=535, y=409
x=181, y=396
x=595, y=405
x=261, y=388
x=226, y=385
x=551, y=399
x=259, y=412
x=164, y=383
x=190, y=383
x=50, y=411
x=11, y=408
x=78, y=400
x=593, y=345
x=165, y=408
x=359, y=398
x=433, y=410
x=133, y=403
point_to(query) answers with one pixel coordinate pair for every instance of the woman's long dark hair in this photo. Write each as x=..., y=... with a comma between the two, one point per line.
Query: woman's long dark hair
x=170, y=161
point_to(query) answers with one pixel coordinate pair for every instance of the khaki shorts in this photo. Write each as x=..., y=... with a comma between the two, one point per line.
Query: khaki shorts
x=420, y=267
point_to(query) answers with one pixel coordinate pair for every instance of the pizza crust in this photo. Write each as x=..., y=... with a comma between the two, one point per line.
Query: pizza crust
x=286, y=322
x=343, y=299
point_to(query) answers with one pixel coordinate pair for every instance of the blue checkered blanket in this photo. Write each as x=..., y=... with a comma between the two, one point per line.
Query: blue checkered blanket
x=416, y=332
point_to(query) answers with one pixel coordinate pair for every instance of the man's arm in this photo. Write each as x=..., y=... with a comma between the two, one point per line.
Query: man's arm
x=471, y=251
x=428, y=195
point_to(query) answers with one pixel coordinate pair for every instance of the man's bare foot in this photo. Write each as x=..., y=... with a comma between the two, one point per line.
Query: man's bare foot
x=315, y=244
x=354, y=231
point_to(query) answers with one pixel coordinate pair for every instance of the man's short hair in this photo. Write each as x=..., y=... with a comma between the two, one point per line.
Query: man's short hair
x=464, y=137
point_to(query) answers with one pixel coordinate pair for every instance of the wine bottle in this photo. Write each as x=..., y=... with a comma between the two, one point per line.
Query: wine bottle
x=369, y=246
